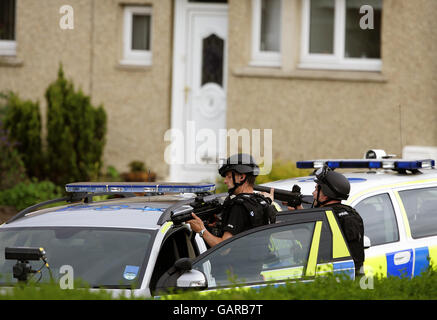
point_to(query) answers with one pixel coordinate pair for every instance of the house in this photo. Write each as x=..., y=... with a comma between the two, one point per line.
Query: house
x=302, y=78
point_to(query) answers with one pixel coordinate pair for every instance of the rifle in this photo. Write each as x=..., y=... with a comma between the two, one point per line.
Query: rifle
x=293, y=198
x=205, y=207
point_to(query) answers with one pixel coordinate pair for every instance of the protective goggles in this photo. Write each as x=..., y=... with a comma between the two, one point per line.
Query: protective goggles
x=322, y=172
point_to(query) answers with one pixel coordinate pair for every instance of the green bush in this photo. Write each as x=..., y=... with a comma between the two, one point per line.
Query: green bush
x=422, y=287
x=137, y=166
x=75, y=133
x=22, y=121
x=25, y=194
x=332, y=287
x=12, y=168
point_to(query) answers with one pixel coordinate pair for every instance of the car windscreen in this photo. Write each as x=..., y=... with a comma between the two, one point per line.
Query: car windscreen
x=97, y=257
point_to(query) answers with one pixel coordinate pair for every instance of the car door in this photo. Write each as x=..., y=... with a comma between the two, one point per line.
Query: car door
x=390, y=253
x=419, y=210
x=296, y=247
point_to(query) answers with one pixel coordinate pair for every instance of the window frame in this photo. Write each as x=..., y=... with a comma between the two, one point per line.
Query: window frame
x=394, y=216
x=337, y=60
x=9, y=47
x=413, y=233
x=261, y=58
x=286, y=218
x=203, y=258
x=130, y=56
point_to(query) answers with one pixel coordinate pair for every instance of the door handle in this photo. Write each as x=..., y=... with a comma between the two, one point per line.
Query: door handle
x=402, y=257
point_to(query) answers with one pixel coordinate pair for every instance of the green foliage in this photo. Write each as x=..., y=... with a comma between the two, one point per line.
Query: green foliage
x=113, y=174
x=422, y=287
x=12, y=168
x=137, y=166
x=25, y=194
x=22, y=121
x=47, y=291
x=75, y=133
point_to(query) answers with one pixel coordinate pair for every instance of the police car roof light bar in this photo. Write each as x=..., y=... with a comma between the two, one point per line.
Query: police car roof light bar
x=394, y=164
x=139, y=187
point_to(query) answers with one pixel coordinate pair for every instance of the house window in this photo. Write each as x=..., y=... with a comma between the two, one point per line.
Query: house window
x=341, y=34
x=137, y=36
x=7, y=27
x=266, y=33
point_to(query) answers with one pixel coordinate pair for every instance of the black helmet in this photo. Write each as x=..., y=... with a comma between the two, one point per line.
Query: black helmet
x=334, y=185
x=241, y=163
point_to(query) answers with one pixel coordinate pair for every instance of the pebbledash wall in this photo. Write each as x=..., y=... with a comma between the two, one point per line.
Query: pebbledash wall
x=320, y=114
x=313, y=113
x=136, y=98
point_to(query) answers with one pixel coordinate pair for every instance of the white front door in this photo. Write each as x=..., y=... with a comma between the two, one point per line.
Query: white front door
x=199, y=89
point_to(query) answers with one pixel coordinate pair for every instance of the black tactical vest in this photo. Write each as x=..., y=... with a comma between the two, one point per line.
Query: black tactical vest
x=258, y=207
x=352, y=226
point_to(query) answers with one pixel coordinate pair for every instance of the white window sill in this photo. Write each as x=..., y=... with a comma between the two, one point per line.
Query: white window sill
x=142, y=63
x=266, y=59
x=345, y=65
x=308, y=74
x=8, y=48
x=267, y=64
x=10, y=61
x=130, y=65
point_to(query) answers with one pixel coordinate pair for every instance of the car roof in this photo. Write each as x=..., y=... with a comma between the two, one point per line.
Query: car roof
x=361, y=181
x=134, y=212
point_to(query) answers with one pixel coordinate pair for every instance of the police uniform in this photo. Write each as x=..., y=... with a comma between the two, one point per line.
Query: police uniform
x=337, y=187
x=352, y=226
x=245, y=211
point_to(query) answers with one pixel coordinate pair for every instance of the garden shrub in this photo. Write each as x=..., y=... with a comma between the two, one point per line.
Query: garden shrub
x=22, y=121
x=26, y=194
x=12, y=168
x=75, y=133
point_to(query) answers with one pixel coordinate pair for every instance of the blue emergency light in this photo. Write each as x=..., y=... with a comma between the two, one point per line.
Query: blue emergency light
x=395, y=164
x=139, y=187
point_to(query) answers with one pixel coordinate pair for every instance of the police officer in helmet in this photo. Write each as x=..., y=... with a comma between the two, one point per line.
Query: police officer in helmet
x=243, y=209
x=331, y=188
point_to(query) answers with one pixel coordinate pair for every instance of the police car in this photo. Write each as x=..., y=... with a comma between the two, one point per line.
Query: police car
x=139, y=242
x=397, y=200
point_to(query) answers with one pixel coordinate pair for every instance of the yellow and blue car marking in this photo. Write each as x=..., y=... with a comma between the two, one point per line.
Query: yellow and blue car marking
x=387, y=266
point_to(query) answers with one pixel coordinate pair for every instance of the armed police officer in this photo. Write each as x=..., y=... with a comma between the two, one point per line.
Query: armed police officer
x=331, y=188
x=243, y=209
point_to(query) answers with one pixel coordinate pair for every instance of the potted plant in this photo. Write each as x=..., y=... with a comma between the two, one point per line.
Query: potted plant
x=139, y=173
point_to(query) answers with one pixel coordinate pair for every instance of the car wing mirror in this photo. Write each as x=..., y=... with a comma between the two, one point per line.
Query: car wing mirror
x=181, y=277
x=189, y=279
x=192, y=279
x=367, y=242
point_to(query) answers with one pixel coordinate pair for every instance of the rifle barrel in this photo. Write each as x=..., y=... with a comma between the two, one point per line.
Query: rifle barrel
x=279, y=194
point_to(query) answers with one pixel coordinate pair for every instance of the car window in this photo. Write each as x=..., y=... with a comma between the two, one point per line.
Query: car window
x=379, y=219
x=99, y=256
x=270, y=254
x=421, y=208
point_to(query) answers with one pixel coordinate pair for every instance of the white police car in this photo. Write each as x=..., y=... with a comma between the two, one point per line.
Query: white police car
x=397, y=200
x=139, y=243
x=122, y=243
